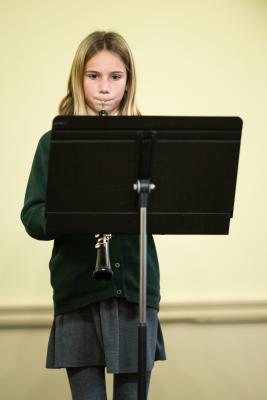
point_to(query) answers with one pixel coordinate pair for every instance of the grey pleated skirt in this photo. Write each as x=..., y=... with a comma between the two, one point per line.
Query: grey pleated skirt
x=104, y=334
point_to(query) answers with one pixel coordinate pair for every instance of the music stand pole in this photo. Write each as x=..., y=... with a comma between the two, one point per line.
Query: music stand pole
x=143, y=188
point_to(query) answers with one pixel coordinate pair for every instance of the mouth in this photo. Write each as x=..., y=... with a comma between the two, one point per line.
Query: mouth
x=103, y=101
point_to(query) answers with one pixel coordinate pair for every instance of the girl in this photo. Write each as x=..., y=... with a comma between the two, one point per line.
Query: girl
x=95, y=322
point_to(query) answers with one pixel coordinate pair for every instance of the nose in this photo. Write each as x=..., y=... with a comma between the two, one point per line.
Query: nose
x=104, y=86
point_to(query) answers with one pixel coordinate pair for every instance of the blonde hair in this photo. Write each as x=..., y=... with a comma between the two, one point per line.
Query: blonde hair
x=74, y=102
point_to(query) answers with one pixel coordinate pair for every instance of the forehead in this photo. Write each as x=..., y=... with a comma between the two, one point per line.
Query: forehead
x=105, y=60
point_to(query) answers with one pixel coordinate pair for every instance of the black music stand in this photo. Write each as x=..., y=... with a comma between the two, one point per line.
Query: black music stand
x=191, y=162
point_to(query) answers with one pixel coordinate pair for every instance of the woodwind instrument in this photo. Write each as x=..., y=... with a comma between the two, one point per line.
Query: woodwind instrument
x=103, y=269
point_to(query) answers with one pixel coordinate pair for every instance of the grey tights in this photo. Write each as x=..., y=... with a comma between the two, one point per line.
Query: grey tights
x=88, y=383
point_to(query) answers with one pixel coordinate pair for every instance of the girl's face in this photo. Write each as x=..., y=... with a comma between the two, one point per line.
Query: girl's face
x=104, y=83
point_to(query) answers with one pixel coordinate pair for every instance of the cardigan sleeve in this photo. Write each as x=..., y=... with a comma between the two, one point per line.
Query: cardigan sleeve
x=33, y=211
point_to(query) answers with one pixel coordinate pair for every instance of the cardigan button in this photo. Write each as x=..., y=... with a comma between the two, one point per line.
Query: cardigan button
x=119, y=291
x=117, y=265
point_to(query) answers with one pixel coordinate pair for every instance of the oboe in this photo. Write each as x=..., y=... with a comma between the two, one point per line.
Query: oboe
x=103, y=269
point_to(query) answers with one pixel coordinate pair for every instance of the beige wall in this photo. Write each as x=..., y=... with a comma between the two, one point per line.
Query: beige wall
x=193, y=58
x=205, y=362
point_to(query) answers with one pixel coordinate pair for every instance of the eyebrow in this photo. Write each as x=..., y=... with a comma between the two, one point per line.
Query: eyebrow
x=112, y=72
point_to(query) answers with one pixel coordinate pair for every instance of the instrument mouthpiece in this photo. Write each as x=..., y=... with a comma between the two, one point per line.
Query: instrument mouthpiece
x=103, y=113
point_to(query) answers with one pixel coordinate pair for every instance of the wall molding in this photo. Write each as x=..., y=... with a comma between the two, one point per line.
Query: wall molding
x=25, y=316
x=202, y=312
x=210, y=312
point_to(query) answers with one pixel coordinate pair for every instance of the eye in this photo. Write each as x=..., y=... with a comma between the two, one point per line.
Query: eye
x=92, y=76
x=116, y=77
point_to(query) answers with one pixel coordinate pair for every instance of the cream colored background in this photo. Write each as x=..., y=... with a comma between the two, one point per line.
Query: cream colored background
x=193, y=58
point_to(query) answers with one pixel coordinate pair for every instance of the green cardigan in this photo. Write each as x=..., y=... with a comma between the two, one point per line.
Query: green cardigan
x=74, y=256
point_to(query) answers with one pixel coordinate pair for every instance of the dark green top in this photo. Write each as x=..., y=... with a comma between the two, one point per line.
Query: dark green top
x=74, y=256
